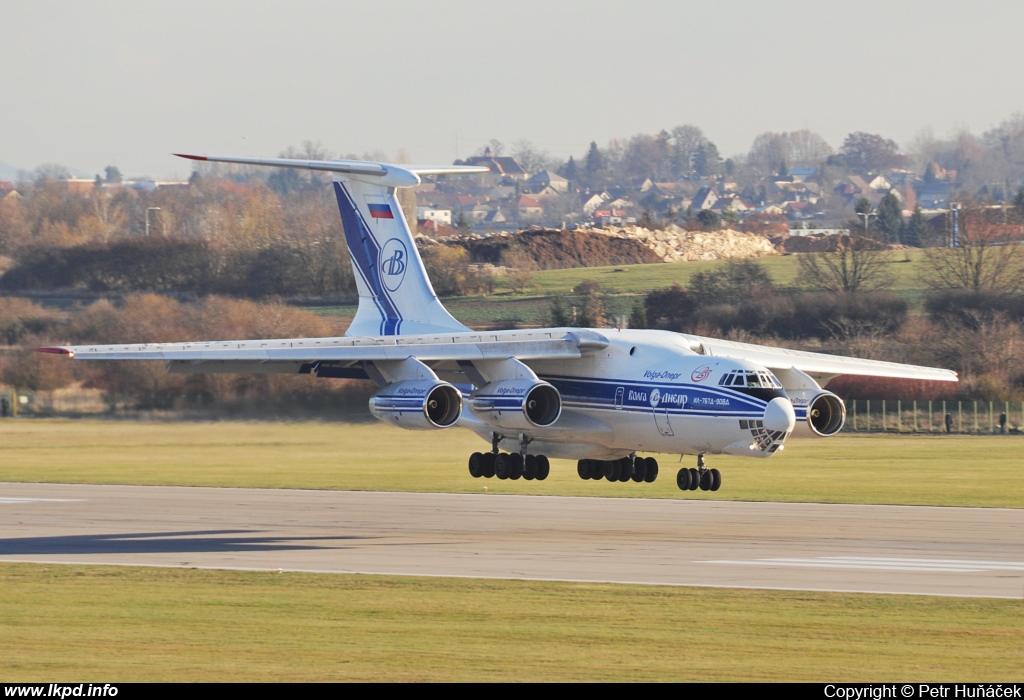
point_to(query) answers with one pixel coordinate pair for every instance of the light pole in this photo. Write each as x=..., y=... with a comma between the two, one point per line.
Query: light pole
x=866, y=215
x=954, y=207
x=149, y=209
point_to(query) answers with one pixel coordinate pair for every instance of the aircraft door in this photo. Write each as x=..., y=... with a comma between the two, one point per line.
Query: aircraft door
x=661, y=419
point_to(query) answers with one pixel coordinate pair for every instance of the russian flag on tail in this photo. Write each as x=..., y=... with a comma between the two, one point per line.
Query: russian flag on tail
x=380, y=211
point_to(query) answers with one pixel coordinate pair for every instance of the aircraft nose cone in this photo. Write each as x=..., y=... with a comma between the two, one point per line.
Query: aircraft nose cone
x=779, y=415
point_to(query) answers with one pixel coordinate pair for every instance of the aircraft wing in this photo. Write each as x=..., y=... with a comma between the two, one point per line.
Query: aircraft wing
x=297, y=354
x=817, y=365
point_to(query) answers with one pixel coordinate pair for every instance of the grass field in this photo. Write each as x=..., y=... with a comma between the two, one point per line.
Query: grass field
x=919, y=470
x=80, y=623
x=622, y=283
x=132, y=624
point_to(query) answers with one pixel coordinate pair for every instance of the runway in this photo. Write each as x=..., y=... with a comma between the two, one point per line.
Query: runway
x=971, y=552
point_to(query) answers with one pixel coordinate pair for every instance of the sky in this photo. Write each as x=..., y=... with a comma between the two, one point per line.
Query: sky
x=87, y=85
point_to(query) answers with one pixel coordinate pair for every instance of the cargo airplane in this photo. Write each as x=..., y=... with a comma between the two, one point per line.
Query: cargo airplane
x=596, y=395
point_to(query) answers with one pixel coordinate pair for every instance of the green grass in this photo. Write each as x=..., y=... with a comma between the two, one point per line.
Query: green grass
x=115, y=624
x=621, y=284
x=920, y=470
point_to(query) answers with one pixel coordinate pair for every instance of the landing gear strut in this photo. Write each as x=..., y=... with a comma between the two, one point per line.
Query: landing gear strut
x=509, y=465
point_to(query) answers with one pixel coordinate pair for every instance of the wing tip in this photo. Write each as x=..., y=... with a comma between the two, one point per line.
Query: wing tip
x=189, y=156
x=56, y=350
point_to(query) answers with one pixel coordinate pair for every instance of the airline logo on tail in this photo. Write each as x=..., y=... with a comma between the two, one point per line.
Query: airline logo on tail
x=393, y=263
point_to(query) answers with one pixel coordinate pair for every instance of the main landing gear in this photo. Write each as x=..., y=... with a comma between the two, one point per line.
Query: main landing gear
x=505, y=465
x=633, y=468
x=700, y=478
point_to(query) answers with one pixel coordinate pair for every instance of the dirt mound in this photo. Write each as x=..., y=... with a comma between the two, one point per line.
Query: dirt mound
x=553, y=249
x=822, y=243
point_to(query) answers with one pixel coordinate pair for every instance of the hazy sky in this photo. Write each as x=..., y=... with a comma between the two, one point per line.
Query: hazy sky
x=86, y=84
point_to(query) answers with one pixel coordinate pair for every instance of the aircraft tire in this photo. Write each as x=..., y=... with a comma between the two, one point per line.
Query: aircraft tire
x=652, y=470
x=517, y=465
x=694, y=479
x=584, y=469
x=625, y=469
x=683, y=479
x=543, y=467
x=705, y=481
x=476, y=465
x=639, y=469
x=530, y=468
x=611, y=470
x=716, y=479
x=502, y=466
x=596, y=469
x=487, y=468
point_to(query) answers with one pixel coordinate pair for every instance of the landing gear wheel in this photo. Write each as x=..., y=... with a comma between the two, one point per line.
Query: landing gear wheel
x=487, y=465
x=652, y=470
x=502, y=466
x=625, y=469
x=584, y=469
x=611, y=470
x=476, y=465
x=694, y=478
x=530, y=468
x=705, y=481
x=716, y=479
x=543, y=467
x=596, y=469
x=683, y=479
x=517, y=465
x=639, y=469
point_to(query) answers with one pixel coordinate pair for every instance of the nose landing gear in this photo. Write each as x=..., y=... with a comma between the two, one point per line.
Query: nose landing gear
x=700, y=478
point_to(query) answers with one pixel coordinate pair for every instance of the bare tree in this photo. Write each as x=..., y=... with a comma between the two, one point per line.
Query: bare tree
x=988, y=257
x=857, y=264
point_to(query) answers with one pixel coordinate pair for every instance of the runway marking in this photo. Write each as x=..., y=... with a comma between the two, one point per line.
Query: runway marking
x=951, y=566
x=9, y=500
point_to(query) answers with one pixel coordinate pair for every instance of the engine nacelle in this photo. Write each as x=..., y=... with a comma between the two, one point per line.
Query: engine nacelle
x=517, y=404
x=417, y=405
x=825, y=412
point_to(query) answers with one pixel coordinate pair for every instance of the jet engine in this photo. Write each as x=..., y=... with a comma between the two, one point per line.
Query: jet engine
x=517, y=404
x=417, y=405
x=826, y=413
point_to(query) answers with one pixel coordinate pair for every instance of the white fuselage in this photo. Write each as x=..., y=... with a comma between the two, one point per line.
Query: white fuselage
x=647, y=391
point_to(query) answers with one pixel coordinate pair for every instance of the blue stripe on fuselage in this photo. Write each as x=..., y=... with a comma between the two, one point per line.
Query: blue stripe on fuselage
x=697, y=399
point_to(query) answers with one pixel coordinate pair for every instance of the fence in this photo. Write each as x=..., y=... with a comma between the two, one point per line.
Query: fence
x=968, y=417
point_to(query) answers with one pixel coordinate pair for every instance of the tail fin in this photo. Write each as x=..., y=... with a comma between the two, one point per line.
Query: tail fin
x=395, y=295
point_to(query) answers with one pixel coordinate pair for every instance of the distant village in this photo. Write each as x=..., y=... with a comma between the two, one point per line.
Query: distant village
x=793, y=183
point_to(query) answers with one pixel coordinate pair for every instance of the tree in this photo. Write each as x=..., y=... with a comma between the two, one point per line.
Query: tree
x=708, y=219
x=871, y=152
x=638, y=315
x=890, y=217
x=916, y=230
x=707, y=161
x=736, y=282
x=595, y=168
x=856, y=265
x=520, y=268
x=112, y=174
x=529, y=157
x=988, y=258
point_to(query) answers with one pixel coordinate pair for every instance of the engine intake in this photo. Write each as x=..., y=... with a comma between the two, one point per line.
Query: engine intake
x=417, y=405
x=826, y=413
x=518, y=404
